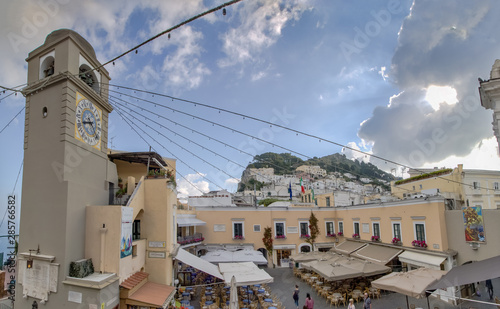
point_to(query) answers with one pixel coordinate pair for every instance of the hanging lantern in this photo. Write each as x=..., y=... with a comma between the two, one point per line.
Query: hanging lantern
x=224, y=11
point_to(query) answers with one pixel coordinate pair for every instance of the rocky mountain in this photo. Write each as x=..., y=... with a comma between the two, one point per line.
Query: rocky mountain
x=285, y=163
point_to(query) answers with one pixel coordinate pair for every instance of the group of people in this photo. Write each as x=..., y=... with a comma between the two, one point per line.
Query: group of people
x=309, y=304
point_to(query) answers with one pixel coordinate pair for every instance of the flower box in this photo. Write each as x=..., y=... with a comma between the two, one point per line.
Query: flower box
x=237, y=237
x=396, y=241
x=280, y=237
x=375, y=238
x=340, y=234
x=355, y=235
x=305, y=236
x=331, y=235
x=419, y=243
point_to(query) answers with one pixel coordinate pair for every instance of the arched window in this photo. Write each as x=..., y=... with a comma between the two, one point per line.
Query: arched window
x=89, y=77
x=47, y=67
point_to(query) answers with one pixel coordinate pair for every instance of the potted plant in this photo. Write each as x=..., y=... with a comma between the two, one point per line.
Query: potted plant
x=340, y=234
x=331, y=235
x=280, y=237
x=375, y=238
x=355, y=236
x=238, y=237
x=419, y=243
x=305, y=236
x=396, y=241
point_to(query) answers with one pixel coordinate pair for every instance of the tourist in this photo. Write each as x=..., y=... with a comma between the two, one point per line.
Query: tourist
x=309, y=302
x=489, y=287
x=368, y=302
x=296, y=296
x=351, y=304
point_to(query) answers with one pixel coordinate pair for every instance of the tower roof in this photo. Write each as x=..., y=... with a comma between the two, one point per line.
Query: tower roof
x=56, y=35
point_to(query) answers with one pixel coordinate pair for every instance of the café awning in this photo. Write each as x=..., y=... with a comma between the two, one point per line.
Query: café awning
x=244, y=273
x=189, y=220
x=377, y=254
x=348, y=247
x=422, y=259
x=196, y=262
x=469, y=273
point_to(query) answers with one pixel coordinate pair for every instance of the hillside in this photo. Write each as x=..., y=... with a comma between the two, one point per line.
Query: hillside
x=285, y=163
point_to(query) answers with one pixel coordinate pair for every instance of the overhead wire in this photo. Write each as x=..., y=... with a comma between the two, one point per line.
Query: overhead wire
x=178, y=145
x=12, y=120
x=271, y=124
x=173, y=155
x=161, y=116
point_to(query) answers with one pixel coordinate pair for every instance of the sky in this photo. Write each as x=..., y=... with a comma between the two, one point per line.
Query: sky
x=397, y=79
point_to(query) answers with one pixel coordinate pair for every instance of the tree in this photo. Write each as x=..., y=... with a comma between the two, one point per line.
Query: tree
x=268, y=240
x=313, y=226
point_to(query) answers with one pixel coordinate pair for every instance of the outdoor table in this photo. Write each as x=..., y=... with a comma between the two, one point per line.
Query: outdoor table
x=337, y=294
x=190, y=307
x=271, y=307
x=228, y=292
x=208, y=293
x=261, y=291
x=245, y=286
x=250, y=292
x=257, y=285
x=209, y=302
x=327, y=288
x=268, y=300
x=208, y=288
x=246, y=301
x=185, y=302
x=319, y=283
x=189, y=288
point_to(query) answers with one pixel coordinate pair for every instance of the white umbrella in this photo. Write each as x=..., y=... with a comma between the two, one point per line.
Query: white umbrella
x=233, y=297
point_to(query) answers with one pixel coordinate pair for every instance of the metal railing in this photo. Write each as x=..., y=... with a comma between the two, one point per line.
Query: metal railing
x=186, y=240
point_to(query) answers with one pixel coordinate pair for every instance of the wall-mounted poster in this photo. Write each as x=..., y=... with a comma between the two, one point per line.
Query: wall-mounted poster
x=126, y=239
x=474, y=224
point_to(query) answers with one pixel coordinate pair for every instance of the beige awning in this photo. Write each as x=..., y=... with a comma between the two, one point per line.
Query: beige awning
x=421, y=259
x=348, y=247
x=377, y=254
x=152, y=295
x=189, y=220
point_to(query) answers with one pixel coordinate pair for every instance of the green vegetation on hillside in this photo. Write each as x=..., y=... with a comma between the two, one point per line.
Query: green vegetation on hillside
x=285, y=163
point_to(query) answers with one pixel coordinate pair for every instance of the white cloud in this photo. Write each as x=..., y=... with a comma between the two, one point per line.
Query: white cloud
x=259, y=75
x=484, y=151
x=383, y=73
x=356, y=155
x=261, y=25
x=183, y=68
x=436, y=95
x=191, y=185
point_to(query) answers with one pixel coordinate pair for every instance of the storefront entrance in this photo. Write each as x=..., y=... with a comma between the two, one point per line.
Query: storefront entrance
x=283, y=257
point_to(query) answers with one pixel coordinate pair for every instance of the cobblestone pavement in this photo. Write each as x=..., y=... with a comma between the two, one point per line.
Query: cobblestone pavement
x=284, y=284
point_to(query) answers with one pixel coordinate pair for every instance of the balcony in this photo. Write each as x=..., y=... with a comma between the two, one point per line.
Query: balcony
x=189, y=241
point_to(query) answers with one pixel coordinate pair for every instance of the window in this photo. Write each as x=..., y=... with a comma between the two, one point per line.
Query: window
x=136, y=230
x=413, y=188
x=279, y=228
x=356, y=228
x=475, y=185
x=304, y=228
x=327, y=201
x=329, y=228
x=341, y=227
x=396, y=230
x=420, y=187
x=256, y=228
x=238, y=230
x=495, y=186
x=420, y=231
x=376, y=229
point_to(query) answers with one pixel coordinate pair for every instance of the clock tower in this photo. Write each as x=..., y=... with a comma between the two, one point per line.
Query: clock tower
x=66, y=168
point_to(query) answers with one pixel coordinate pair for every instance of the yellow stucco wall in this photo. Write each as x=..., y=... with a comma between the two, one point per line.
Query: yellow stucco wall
x=431, y=213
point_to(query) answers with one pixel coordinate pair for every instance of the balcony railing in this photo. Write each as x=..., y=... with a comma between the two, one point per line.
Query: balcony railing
x=186, y=240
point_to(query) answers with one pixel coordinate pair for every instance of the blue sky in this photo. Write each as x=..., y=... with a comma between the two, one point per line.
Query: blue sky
x=394, y=78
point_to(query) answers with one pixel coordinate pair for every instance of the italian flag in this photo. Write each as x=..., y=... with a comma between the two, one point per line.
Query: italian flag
x=302, y=186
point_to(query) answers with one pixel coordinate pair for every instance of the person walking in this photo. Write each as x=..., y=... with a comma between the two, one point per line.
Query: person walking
x=489, y=286
x=309, y=302
x=351, y=304
x=296, y=296
x=368, y=302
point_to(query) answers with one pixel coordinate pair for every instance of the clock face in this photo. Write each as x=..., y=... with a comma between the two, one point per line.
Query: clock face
x=88, y=126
